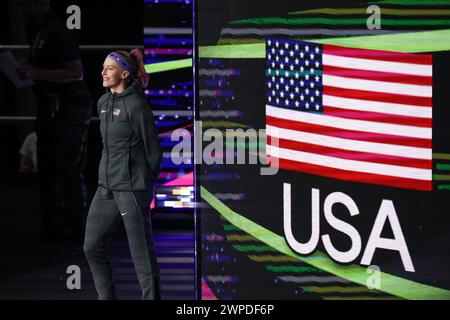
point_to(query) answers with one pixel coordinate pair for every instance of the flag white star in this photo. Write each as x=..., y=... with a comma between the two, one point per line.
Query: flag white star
x=277, y=72
x=302, y=97
x=277, y=86
x=306, y=48
x=317, y=107
x=317, y=93
x=297, y=103
x=273, y=50
x=287, y=102
x=302, y=54
x=281, y=51
x=286, y=59
x=286, y=87
x=269, y=42
x=282, y=94
x=296, y=61
x=296, y=47
x=291, y=53
x=317, y=78
x=292, y=96
x=307, y=63
x=270, y=85
x=302, y=69
x=277, y=44
x=317, y=64
x=311, y=84
x=270, y=99
x=281, y=80
x=312, y=99
x=291, y=67
x=278, y=100
x=296, y=75
x=273, y=92
x=273, y=78
x=269, y=56
x=307, y=105
x=311, y=56
x=297, y=89
x=286, y=45
x=307, y=91
x=291, y=82
x=273, y=64
x=302, y=83
x=317, y=49
x=311, y=70
x=277, y=58
x=282, y=65
x=307, y=77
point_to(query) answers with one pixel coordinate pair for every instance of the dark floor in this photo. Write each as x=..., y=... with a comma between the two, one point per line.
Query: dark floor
x=30, y=269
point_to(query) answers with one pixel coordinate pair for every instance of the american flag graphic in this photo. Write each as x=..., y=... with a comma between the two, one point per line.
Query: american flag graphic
x=350, y=114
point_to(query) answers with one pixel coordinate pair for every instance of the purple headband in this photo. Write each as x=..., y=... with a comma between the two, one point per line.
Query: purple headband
x=122, y=62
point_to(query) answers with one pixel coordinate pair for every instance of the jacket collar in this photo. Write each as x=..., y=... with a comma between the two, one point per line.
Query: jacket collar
x=134, y=87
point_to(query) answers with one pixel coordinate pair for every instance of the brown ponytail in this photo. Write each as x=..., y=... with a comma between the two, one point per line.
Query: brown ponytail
x=139, y=72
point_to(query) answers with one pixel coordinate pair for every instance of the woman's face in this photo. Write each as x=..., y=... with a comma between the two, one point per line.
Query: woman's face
x=112, y=73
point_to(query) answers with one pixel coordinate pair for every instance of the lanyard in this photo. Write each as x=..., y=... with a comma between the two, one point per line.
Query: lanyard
x=35, y=44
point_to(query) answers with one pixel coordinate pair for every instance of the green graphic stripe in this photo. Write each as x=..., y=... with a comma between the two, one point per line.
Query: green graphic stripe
x=168, y=65
x=293, y=269
x=225, y=41
x=245, y=51
x=230, y=227
x=240, y=238
x=221, y=124
x=342, y=21
x=441, y=177
x=253, y=248
x=442, y=166
x=413, y=2
x=444, y=187
x=273, y=258
x=390, y=284
x=333, y=289
x=384, y=11
x=441, y=156
x=427, y=41
x=358, y=298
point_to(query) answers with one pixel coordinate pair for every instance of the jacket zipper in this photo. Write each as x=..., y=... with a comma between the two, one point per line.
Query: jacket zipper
x=106, y=143
x=128, y=164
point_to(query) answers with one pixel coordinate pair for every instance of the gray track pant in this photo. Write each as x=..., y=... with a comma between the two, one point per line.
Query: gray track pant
x=106, y=210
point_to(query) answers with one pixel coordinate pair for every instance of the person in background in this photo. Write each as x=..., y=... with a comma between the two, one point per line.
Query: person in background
x=63, y=117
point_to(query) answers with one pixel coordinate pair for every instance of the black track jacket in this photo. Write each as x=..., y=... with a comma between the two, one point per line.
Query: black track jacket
x=131, y=156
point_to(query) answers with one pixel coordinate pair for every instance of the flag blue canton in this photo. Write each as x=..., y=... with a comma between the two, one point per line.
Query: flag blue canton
x=294, y=74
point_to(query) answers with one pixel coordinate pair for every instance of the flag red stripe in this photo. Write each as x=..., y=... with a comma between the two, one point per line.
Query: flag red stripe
x=348, y=134
x=377, y=96
x=377, y=75
x=377, y=55
x=354, y=176
x=377, y=117
x=352, y=155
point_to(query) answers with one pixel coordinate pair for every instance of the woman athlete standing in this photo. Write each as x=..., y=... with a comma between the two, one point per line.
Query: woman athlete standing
x=128, y=171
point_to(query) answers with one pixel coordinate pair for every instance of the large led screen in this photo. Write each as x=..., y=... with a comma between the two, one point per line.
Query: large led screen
x=323, y=148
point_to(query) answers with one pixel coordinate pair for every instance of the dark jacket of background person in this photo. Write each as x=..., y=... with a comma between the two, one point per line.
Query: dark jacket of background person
x=63, y=117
